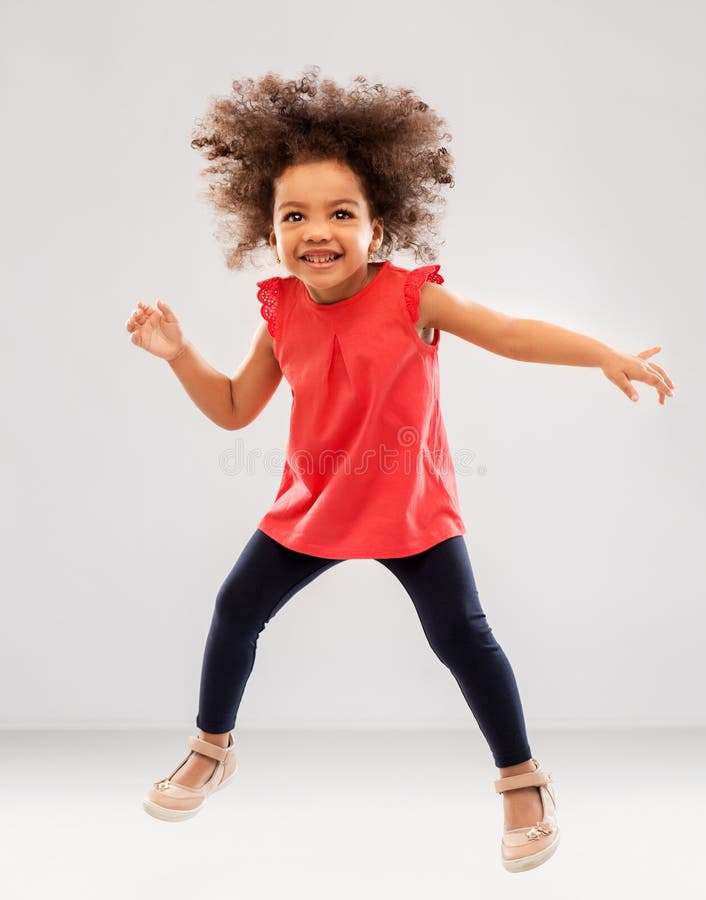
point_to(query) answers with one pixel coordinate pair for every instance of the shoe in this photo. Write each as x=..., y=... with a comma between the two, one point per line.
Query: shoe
x=173, y=802
x=528, y=847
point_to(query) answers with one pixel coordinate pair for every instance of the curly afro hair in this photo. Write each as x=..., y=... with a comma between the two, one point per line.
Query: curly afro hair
x=388, y=136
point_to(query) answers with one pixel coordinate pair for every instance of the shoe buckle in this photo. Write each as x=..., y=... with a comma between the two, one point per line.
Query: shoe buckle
x=163, y=785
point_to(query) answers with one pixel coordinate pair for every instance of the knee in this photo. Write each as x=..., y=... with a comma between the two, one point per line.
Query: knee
x=238, y=606
x=469, y=637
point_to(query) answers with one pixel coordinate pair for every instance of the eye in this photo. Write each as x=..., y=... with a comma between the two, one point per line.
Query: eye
x=341, y=209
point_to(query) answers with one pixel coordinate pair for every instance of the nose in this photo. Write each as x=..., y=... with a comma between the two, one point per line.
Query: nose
x=317, y=232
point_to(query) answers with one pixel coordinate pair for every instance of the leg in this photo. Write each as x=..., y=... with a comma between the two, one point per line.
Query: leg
x=265, y=576
x=441, y=585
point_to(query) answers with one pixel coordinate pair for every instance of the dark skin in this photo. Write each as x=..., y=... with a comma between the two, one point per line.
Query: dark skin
x=315, y=221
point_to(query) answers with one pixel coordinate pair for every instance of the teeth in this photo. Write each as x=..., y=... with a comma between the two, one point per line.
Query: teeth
x=319, y=258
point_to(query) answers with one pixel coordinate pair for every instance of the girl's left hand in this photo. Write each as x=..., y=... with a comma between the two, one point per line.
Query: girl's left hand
x=621, y=367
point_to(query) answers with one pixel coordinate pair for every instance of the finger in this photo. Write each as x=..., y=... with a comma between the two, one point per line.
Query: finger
x=625, y=385
x=166, y=311
x=664, y=375
x=133, y=322
x=662, y=385
x=655, y=379
x=650, y=352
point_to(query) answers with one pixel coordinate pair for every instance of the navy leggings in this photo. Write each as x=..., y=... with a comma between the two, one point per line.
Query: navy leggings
x=440, y=582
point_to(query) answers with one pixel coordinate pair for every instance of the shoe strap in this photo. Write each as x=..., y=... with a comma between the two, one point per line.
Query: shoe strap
x=208, y=749
x=525, y=779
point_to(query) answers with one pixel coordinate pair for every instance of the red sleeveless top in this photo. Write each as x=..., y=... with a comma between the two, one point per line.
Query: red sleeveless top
x=368, y=472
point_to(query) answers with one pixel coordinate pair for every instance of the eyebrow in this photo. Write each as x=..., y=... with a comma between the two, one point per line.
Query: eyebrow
x=333, y=203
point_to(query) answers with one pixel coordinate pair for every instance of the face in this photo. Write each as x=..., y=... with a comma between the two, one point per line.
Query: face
x=320, y=210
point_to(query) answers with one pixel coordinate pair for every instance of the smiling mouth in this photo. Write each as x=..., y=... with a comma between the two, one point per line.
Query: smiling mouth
x=321, y=262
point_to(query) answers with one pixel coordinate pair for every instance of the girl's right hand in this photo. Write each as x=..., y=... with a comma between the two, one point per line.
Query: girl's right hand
x=156, y=330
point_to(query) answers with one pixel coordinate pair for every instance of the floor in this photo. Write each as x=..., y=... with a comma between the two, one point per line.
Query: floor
x=339, y=815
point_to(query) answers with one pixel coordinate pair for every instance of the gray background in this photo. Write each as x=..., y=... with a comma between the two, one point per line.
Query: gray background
x=579, y=143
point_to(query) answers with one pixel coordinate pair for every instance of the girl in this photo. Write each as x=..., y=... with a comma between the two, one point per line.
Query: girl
x=332, y=181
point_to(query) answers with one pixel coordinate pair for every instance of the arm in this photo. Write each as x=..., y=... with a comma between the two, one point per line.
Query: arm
x=535, y=341
x=441, y=308
x=529, y=340
x=526, y=340
x=231, y=403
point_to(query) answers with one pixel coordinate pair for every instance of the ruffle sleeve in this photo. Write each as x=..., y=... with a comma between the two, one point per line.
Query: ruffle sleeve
x=268, y=295
x=413, y=283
